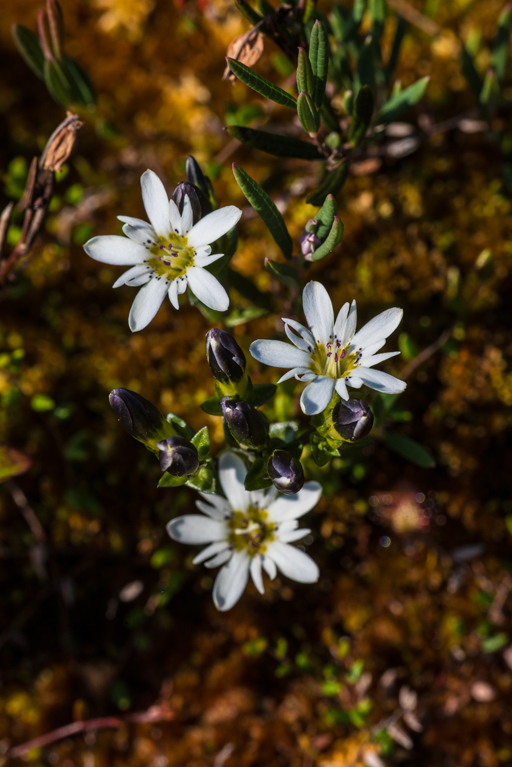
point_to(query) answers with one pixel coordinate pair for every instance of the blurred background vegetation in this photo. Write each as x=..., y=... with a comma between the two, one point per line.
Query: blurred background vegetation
x=402, y=652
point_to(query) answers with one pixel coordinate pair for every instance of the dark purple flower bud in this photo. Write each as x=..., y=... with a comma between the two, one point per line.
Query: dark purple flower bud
x=286, y=472
x=178, y=456
x=200, y=203
x=196, y=176
x=141, y=419
x=353, y=419
x=225, y=357
x=247, y=425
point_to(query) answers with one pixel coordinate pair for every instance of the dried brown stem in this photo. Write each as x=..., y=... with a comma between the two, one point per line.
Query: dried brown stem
x=425, y=354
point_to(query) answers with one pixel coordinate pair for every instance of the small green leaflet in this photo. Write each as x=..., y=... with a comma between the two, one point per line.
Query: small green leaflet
x=409, y=449
x=273, y=143
x=261, y=85
x=403, y=100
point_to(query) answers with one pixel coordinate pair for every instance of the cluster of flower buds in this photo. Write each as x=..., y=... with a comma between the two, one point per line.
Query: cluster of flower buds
x=247, y=425
x=321, y=233
x=352, y=419
x=178, y=456
x=286, y=472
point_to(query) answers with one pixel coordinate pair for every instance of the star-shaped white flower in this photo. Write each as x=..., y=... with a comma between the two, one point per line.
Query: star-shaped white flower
x=167, y=253
x=248, y=532
x=331, y=355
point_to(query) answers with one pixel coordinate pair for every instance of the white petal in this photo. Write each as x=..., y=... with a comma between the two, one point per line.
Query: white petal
x=220, y=559
x=256, y=573
x=175, y=217
x=341, y=388
x=187, y=217
x=218, y=501
x=317, y=395
x=232, y=473
x=207, y=288
x=210, y=551
x=147, y=302
x=293, y=535
x=231, y=581
x=156, y=202
x=196, y=528
x=206, y=260
x=181, y=285
x=354, y=381
x=113, y=249
x=270, y=567
x=372, y=348
x=307, y=376
x=350, y=325
x=142, y=233
x=371, y=360
x=212, y=511
x=301, y=330
x=213, y=226
x=279, y=354
x=341, y=320
x=380, y=381
x=288, y=507
x=293, y=372
x=297, y=341
x=380, y=327
x=318, y=310
x=135, y=271
x=173, y=294
x=136, y=222
x=136, y=282
x=293, y=562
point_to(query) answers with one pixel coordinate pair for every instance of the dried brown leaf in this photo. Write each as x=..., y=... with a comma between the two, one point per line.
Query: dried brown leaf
x=246, y=48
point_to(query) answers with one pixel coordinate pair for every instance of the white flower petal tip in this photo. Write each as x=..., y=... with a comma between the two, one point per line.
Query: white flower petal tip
x=116, y=250
x=330, y=355
x=146, y=304
x=244, y=530
x=214, y=225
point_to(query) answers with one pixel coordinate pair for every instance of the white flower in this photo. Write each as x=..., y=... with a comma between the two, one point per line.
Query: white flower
x=331, y=355
x=247, y=532
x=167, y=253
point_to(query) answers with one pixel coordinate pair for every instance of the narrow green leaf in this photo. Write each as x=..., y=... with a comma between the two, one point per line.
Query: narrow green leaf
x=204, y=478
x=366, y=63
x=409, y=449
x=57, y=83
x=241, y=316
x=248, y=11
x=266, y=208
x=308, y=116
x=358, y=11
x=257, y=477
x=81, y=81
x=401, y=27
x=348, y=102
x=12, y=462
x=501, y=46
x=261, y=85
x=320, y=456
x=248, y=290
x=305, y=80
x=325, y=217
x=272, y=143
x=212, y=315
x=284, y=273
x=309, y=10
x=361, y=116
x=403, y=101
x=332, y=240
x=471, y=73
x=329, y=117
x=167, y=480
x=261, y=393
x=201, y=442
x=212, y=406
x=30, y=48
x=319, y=58
x=377, y=9
x=331, y=184
x=265, y=8
x=490, y=94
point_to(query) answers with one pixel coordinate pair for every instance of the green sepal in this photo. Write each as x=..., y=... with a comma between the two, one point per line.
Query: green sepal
x=320, y=456
x=401, y=27
x=182, y=428
x=325, y=217
x=248, y=11
x=30, y=48
x=308, y=115
x=261, y=393
x=204, y=479
x=283, y=272
x=266, y=208
x=361, y=116
x=305, y=79
x=167, y=480
x=212, y=406
x=319, y=58
x=201, y=441
x=331, y=184
x=257, y=477
x=12, y=462
x=402, y=101
x=261, y=85
x=471, y=73
x=501, y=46
x=409, y=449
x=333, y=239
x=275, y=144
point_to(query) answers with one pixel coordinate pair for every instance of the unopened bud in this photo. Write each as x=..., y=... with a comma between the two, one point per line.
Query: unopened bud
x=141, y=419
x=352, y=419
x=178, y=456
x=286, y=472
x=309, y=243
x=200, y=203
x=225, y=357
x=247, y=425
x=61, y=144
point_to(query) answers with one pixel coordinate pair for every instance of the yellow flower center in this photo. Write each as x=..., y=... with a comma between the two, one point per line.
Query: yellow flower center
x=171, y=257
x=333, y=360
x=250, y=531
